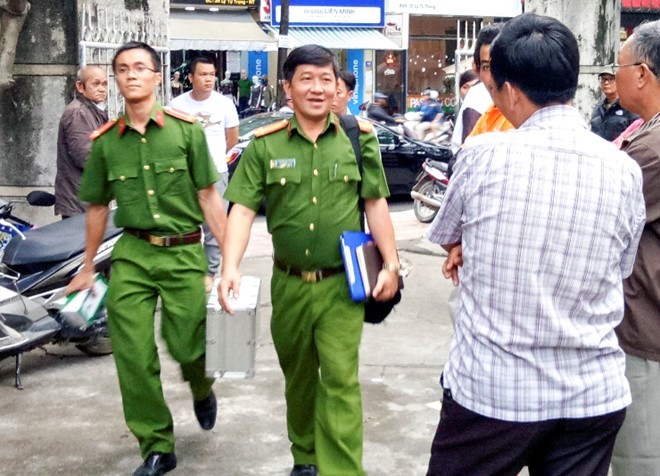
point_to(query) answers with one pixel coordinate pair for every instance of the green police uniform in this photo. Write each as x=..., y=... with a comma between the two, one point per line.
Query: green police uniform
x=311, y=194
x=154, y=178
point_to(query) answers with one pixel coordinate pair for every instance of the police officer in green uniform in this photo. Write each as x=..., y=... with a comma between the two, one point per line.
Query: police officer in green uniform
x=155, y=162
x=306, y=170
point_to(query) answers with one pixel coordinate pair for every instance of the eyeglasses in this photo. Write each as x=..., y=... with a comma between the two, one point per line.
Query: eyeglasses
x=139, y=70
x=615, y=67
x=606, y=79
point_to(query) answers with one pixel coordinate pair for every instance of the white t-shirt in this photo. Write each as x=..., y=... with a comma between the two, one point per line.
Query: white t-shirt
x=216, y=114
x=477, y=98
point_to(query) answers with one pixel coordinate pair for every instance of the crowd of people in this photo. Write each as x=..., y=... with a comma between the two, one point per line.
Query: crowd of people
x=552, y=233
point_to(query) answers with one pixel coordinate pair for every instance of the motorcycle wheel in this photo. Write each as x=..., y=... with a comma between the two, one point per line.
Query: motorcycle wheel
x=423, y=212
x=101, y=345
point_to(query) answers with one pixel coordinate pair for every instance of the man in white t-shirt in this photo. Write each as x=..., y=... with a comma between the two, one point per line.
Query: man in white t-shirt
x=220, y=120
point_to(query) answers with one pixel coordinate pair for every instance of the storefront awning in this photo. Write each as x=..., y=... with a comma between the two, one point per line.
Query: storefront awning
x=341, y=38
x=226, y=31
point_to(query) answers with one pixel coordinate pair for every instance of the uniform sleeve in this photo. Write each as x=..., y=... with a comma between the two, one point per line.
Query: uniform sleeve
x=202, y=169
x=247, y=184
x=374, y=183
x=94, y=184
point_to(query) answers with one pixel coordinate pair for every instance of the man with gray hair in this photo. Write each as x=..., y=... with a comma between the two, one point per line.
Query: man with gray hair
x=636, y=451
x=81, y=117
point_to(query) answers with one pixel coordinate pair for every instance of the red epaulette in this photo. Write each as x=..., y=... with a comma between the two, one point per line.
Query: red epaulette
x=270, y=128
x=184, y=116
x=365, y=126
x=103, y=129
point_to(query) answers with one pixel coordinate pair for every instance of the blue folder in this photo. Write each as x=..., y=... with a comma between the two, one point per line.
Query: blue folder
x=348, y=243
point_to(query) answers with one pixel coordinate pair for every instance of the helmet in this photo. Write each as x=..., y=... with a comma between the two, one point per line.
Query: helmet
x=380, y=96
x=434, y=94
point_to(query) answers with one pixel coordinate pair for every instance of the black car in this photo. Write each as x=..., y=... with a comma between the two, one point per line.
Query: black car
x=402, y=156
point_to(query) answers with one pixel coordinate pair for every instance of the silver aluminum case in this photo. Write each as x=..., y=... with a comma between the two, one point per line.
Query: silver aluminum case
x=231, y=341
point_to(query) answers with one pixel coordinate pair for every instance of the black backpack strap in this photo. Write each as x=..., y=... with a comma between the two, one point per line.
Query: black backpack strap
x=350, y=125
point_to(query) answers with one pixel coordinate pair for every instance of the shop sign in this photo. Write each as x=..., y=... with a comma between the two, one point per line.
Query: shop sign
x=473, y=8
x=264, y=11
x=330, y=13
x=221, y=3
x=257, y=63
x=396, y=29
x=355, y=62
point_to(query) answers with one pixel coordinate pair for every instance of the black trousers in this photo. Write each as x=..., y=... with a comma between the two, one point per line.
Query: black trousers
x=467, y=443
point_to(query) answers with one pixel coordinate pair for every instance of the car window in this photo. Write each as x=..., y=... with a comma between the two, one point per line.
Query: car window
x=247, y=126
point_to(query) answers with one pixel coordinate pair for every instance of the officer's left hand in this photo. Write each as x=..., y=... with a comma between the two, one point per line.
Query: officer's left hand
x=386, y=286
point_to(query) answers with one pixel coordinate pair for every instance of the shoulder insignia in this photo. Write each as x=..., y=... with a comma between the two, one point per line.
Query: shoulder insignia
x=184, y=116
x=103, y=129
x=365, y=126
x=270, y=128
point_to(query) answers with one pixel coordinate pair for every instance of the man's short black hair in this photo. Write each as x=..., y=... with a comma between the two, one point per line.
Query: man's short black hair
x=137, y=45
x=540, y=56
x=200, y=59
x=485, y=37
x=348, y=78
x=309, y=54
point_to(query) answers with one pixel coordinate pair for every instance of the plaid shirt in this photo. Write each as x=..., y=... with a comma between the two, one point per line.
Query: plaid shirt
x=549, y=216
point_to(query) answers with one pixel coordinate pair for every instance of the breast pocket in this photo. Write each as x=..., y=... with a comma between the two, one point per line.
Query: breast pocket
x=344, y=173
x=172, y=176
x=125, y=185
x=283, y=177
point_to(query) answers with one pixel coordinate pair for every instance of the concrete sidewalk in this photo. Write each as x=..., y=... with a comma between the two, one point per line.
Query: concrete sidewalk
x=69, y=421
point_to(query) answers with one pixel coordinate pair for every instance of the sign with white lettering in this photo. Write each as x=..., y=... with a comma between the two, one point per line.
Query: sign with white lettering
x=353, y=13
x=473, y=8
x=355, y=64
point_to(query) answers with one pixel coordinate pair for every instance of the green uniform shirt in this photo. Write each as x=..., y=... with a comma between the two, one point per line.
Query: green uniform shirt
x=154, y=177
x=310, y=189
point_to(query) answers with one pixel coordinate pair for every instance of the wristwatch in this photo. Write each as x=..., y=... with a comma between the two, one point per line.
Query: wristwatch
x=393, y=267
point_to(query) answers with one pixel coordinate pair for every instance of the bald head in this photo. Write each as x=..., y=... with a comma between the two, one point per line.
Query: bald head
x=92, y=83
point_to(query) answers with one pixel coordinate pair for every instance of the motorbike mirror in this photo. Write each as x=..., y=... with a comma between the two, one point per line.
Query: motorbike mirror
x=40, y=198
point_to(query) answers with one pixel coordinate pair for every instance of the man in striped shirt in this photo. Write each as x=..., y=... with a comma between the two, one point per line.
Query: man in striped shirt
x=544, y=221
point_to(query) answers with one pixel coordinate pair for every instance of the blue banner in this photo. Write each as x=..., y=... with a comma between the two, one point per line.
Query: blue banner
x=355, y=64
x=257, y=63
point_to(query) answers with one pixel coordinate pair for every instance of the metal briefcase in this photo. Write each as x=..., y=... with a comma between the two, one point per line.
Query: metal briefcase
x=231, y=341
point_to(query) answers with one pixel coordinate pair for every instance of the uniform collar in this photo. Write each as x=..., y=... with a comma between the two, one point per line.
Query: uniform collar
x=332, y=121
x=157, y=116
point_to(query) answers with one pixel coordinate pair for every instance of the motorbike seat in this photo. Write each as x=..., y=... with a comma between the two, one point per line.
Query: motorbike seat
x=441, y=166
x=51, y=243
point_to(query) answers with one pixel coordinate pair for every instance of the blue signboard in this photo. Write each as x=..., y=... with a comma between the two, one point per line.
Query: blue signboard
x=257, y=63
x=355, y=64
x=347, y=13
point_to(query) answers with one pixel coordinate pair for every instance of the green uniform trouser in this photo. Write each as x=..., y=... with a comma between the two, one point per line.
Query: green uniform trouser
x=317, y=330
x=140, y=273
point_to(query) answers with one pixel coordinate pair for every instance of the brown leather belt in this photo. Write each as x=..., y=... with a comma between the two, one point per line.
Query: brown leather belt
x=311, y=276
x=168, y=240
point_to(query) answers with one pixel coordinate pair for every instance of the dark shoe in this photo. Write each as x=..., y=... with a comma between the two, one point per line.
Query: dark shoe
x=206, y=411
x=304, y=470
x=156, y=464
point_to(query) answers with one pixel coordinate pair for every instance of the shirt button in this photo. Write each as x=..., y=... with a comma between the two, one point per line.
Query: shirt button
x=311, y=227
x=143, y=140
x=146, y=167
x=150, y=192
x=314, y=200
x=282, y=181
x=306, y=252
x=122, y=177
x=156, y=216
x=316, y=146
x=316, y=173
x=171, y=170
x=346, y=178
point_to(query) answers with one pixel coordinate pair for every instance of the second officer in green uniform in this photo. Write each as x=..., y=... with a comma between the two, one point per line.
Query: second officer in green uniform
x=307, y=172
x=155, y=162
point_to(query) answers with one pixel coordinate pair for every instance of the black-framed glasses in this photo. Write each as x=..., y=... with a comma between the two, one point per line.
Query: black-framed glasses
x=606, y=79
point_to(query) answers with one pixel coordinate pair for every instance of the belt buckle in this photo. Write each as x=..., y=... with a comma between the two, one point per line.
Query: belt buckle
x=156, y=240
x=309, y=276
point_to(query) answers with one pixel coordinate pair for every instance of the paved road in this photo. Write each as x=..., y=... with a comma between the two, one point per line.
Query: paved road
x=68, y=420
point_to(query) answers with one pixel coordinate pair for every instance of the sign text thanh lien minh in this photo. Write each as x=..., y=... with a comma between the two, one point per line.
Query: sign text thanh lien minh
x=230, y=3
x=332, y=13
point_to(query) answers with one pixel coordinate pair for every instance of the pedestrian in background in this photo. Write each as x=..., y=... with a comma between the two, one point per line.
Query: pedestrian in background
x=535, y=375
x=345, y=89
x=637, y=448
x=155, y=162
x=218, y=116
x=81, y=117
x=609, y=118
x=468, y=79
x=243, y=86
x=307, y=172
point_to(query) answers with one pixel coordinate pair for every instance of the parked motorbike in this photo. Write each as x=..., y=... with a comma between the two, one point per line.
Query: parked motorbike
x=429, y=190
x=35, y=268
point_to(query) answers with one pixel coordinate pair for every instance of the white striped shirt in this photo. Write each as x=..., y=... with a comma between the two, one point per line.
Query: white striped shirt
x=549, y=216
